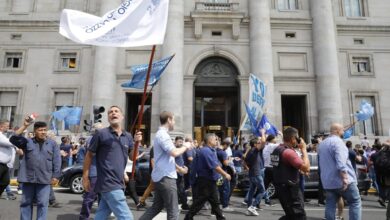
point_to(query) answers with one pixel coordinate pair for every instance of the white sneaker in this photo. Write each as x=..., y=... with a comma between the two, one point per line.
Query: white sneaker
x=20, y=192
x=252, y=211
x=228, y=209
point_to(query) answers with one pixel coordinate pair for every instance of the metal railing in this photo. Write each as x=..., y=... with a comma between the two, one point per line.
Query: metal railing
x=216, y=7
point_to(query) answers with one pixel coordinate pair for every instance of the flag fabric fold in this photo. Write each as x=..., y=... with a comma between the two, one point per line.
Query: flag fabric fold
x=133, y=23
x=267, y=126
x=348, y=132
x=366, y=111
x=139, y=73
x=252, y=120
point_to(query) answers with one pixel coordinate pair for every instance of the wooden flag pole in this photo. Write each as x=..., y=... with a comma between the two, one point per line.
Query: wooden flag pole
x=135, y=151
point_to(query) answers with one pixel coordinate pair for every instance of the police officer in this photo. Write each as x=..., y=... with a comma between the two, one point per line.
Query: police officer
x=286, y=168
x=40, y=168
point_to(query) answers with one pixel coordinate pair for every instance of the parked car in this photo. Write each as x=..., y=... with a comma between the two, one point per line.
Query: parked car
x=311, y=181
x=72, y=177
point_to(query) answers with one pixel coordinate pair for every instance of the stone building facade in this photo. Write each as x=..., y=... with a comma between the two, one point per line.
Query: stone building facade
x=319, y=59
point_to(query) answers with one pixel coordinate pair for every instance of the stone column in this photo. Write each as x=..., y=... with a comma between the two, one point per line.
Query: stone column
x=261, y=49
x=326, y=65
x=171, y=82
x=104, y=76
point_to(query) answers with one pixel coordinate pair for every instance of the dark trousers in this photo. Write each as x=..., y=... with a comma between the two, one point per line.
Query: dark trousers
x=206, y=190
x=165, y=196
x=291, y=199
x=224, y=193
x=233, y=183
x=88, y=199
x=4, y=177
x=268, y=177
x=131, y=190
x=181, y=193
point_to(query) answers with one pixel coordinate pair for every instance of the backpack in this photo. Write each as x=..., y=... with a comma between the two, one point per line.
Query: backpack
x=382, y=163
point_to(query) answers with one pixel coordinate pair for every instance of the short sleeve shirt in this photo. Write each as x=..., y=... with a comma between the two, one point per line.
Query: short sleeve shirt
x=291, y=157
x=111, y=153
x=164, y=163
x=207, y=163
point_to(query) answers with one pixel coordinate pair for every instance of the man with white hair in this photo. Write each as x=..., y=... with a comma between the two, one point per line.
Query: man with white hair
x=337, y=174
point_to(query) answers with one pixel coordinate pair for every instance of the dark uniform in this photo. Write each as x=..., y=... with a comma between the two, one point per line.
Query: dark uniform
x=286, y=164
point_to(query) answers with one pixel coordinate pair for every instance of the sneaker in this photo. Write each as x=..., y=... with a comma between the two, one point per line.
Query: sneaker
x=339, y=218
x=381, y=202
x=11, y=196
x=141, y=205
x=54, y=204
x=20, y=192
x=269, y=203
x=252, y=211
x=228, y=209
x=244, y=203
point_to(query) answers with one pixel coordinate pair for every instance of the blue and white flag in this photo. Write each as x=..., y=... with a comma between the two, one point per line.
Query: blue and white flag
x=267, y=126
x=74, y=116
x=256, y=101
x=70, y=116
x=252, y=120
x=366, y=111
x=133, y=23
x=140, y=71
x=348, y=133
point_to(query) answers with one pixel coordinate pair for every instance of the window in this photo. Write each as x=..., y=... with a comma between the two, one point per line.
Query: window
x=68, y=61
x=367, y=127
x=358, y=41
x=288, y=4
x=13, y=60
x=8, y=102
x=361, y=64
x=218, y=1
x=290, y=34
x=353, y=8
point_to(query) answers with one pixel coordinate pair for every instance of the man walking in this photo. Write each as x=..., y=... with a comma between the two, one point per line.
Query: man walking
x=208, y=172
x=164, y=173
x=40, y=168
x=7, y=156
x=111, y=147
x=286, y=168
x=337, y=174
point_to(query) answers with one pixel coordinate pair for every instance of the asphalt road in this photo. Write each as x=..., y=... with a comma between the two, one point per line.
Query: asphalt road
x=70, y=207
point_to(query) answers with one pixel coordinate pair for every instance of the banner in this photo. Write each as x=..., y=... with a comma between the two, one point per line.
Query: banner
x=256, y=101
x=134, y=23
x=70, y=116
x=140, y=71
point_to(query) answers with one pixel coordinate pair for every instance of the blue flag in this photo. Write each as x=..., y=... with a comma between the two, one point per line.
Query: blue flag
x=61, y=114
x=74, y=116
x=140, y=72
x=348, y=133
x=268, y=127
x=366, y=111
x=252, y=121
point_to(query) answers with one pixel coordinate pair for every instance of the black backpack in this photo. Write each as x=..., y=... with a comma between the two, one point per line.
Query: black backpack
x=382, y=163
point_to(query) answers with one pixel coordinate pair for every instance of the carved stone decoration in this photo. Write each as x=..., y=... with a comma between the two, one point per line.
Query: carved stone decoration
x=216, y=71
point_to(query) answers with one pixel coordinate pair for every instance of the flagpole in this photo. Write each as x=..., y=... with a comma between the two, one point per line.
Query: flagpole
x=135, y=151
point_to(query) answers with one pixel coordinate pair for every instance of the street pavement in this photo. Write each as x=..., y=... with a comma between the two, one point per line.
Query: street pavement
x=70, y=207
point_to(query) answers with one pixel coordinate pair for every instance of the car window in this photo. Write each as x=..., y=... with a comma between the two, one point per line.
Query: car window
x=313, y=160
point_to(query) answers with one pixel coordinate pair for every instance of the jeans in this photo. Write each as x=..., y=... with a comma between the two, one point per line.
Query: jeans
x=113, y=201
x=52, y=197
x=224, y=193
x=165, y=197
x=351, y=194
x=205, y=190
x=41, y=193
x=256, y=182
x=88, y=199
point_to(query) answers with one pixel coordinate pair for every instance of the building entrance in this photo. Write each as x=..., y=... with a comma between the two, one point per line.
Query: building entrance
x=216, y=101
x=294, y=113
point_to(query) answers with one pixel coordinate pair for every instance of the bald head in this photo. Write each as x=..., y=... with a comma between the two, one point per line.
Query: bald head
x=337, y=129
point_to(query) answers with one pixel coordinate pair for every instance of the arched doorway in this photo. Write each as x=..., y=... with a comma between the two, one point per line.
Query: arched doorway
x=216, y=98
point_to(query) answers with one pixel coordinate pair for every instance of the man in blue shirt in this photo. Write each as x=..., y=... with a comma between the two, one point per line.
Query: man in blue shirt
x=224, y=188
x=40, y=168
x=82, y=151
x=111, y=148
x=337, y=174
x=208, y=172
x=164, y=172
x=181, y=169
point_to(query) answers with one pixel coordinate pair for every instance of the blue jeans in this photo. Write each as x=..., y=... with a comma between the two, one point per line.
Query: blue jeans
x=113, y=201
x=256, y=182
x=41, y=194
x=224, y=193
x=351, y=195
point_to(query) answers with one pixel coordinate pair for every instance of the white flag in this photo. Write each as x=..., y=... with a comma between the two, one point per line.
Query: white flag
x=134, y=23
